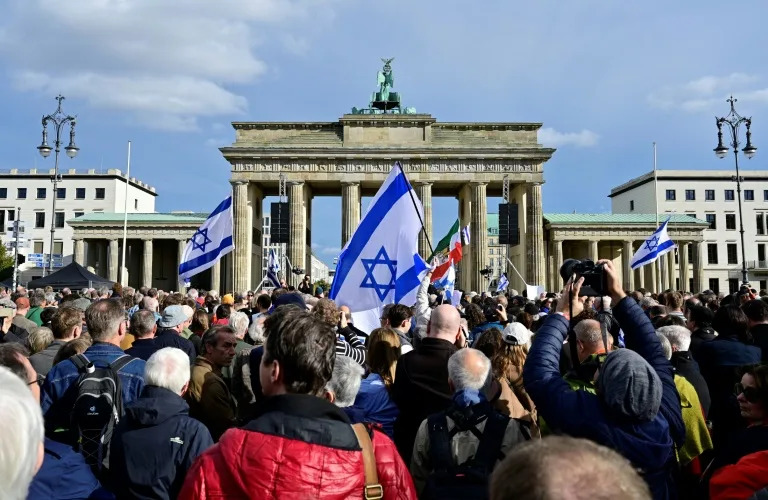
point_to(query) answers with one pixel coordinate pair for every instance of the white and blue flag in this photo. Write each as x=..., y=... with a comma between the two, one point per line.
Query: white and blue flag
x=503, y=283
x=273, y=267
x=447, y=282
x=210, y=242
x=381, y=264
x=654, y=247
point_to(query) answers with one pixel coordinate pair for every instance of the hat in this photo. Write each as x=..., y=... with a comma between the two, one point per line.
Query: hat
x=172, y=316
x=188, y=311
x=22, y=303
x=7, y=308
x=516, y=334
x=82, y=303
x=319, y=290
x=629, y=386
x=228, y=299
x=290, y=298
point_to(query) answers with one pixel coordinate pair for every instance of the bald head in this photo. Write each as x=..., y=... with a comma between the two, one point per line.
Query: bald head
x=444, y=323
x=468, y=369
x=346, y=312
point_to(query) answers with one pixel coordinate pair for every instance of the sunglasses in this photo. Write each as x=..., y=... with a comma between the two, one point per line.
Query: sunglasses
x=751, y=394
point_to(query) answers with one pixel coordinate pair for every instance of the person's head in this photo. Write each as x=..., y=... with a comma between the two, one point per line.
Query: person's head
x=383, y=351
x=629, y=387
x=299, y=353
x=679, y=337
x=399, y=317
x=228, y=299
x=193, y=294
x=325, y=310
x=14, y=357
x=39, y=338
x=22, y=305
x=200, y=323
x=219, y=344
x=150, y=303
x=174, y=318
x=665, y=345
x=223, y=311
x=468, y=369
x=507, y=357
x=647, y=302
x=589, y=338
x=75, y=346
x=656, y=311
x=752, y=394
x=384, y=318
x=674, y=301
x=444, y=323
x=699, y=317
x=342, y=389
x=560, y=467
x=239, y=322
x=21, y=448
x=37, y=299
x=756, y=311
x=475, y=315
x=143, y=324
x=668, y=320
x=730, y=321
x=168, y=368
x=106, y=321
x=263, y=302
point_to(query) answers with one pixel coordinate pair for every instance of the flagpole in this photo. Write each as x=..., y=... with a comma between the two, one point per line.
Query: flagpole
x=656, y=201
x=124, y=269
x=416, y=208
x=516, y=271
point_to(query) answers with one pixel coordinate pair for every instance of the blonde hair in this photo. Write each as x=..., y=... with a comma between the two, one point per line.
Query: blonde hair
x=383, y=351
x=326, y=311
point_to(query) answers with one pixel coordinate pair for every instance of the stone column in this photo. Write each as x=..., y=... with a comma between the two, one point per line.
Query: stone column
x=654, y=284
x=146, y=264
x=671, y=270
x=698, y=267
x=626, y=267
x=557, y=256
x=593, y=255
x=684, y=272
x=466, y=269
x=79, y=251
x=424, y=192
x=181, y=245
x=112, y=259
x=216, y=276
x=297, y=231
x=641, y=275
x=350, y=210
x=536, y=268
x=242, y=236
x=479, y=234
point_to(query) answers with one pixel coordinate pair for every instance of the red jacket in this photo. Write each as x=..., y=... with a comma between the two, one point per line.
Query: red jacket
x=299, y=447
x=740, y=480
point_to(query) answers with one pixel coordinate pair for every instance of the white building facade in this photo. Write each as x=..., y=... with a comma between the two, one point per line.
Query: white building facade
x=79, y=192
x=709, y=196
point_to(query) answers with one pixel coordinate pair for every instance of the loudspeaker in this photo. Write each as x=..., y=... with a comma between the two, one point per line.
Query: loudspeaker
x=509, y=232
x=278, y=223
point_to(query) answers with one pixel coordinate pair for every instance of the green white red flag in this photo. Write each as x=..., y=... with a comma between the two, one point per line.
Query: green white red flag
x=448, y=250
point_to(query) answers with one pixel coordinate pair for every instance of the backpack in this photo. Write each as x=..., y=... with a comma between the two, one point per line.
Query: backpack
x=470, y=479
x=98, y=408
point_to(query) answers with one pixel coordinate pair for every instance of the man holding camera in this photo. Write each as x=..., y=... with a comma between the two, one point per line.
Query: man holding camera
x=636, y=410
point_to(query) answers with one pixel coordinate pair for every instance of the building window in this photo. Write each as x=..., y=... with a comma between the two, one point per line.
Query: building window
x=730, y=221
x=690, y=253
x=709, y=194
x=3, y=193
x=135, y=204
x=59, y=222
x=762, y=284
x=58, y=248
x=690, y=195
x=11, y=215
x=712, y=219
x=99, y=193
x=671, y=195
x=631, y=204
x=712, y=253
x=729, y=195
x=61, y=193
x=78, y=213
x=733, y=285
x=732, y=253
x=749, y=195
x=41, y=193
x=714, y=284
x=79, y=193
x=761, y=252
x=39, y=219
x=760, y=223
x=21, y=193
x=37, y=247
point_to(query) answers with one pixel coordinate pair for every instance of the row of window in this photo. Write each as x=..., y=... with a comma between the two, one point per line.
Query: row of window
x=61, y=193
x=714, y=284
x=58, y=220
x=730, y=222
x=709, y=195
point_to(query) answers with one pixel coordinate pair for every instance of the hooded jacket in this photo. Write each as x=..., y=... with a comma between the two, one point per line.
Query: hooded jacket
x=375, y=404
x=64, y=475
x=646, y=443
x=42, y=361
x=155, y=444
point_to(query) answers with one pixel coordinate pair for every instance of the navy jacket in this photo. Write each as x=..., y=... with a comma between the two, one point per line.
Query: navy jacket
x=170, y=338
x=647, y=445
x=154, y=446
x=143, y=348
x=65, y=475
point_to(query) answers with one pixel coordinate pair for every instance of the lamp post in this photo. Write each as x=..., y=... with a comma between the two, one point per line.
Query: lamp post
x=734, y=122
x=58, y=119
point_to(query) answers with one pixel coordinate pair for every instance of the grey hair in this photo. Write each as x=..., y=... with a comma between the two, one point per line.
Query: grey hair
x=256, y=332
x=150, y=303
x=679, y=336
x=142, y=323
x=103, y=319
x=464, y=377
x=665, y=345
x=137, y=298
x=50, y=298
x=23, y=435
x=647, y=302
x=239, y=323
x=84, y=292
x=102, y=291
x=193, y=294
x=345, y=382
x=36, y=299
x=588, y=331
x=40, y=338
x=168, y=368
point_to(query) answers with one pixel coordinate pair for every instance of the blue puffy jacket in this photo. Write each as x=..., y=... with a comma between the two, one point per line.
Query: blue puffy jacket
x=647, y=445
x=65, y=475
x=374, y=404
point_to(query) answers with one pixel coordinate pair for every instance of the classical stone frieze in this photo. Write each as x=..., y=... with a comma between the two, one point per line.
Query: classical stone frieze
x=385, y=165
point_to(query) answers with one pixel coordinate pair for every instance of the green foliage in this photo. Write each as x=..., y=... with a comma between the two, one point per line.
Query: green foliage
x=6, y=257
x=322, y=284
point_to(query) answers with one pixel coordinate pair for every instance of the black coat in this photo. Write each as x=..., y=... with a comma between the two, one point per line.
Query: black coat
x=760, y=335
x=686, y=367
x=143, y=348
x=154, y=446
x=700, y=337
x=165, y=337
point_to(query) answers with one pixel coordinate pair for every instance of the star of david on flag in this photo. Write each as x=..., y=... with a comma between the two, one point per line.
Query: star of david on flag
x=380, y=264
x=654, y=247
x=210, y=242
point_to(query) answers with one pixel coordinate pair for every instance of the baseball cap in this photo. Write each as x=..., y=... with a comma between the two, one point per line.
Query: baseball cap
x=516, y=334
x=228, y=299
x=172, y=316
x=7, y=308
x=22, y=303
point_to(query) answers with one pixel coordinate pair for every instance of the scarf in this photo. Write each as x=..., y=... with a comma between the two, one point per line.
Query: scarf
x=465, y=398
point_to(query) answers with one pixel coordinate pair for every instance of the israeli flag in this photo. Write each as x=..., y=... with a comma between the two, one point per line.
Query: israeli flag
x=273, y=267
x=447, y=282
x=210, y=242
x=503, y=283
x=380, y=264
x=654, y=247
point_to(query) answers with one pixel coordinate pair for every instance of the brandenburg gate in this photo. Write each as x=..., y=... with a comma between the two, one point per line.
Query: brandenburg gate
x=353, y=155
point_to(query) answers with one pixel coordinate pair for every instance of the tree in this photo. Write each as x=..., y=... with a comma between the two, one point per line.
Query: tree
x=6, y=262
x=322, y=284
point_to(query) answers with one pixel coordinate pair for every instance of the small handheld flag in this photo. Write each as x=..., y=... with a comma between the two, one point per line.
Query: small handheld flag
x=654, y=247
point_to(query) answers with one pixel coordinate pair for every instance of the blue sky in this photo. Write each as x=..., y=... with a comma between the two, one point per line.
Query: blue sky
x=606, y=78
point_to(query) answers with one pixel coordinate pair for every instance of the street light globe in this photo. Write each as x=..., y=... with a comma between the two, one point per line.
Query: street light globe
x=71, y=151
x=45, y=150
x=749, y=151
x=721, y=151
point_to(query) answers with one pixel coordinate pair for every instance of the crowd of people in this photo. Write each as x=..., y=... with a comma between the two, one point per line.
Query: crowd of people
x=128, y=393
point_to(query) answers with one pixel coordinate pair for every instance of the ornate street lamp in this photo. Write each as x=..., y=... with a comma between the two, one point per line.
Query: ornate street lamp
x=734, y=122
x=58, y=119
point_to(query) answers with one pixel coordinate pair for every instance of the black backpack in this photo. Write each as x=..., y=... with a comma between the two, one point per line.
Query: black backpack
x=98, y=408
x=470, y=479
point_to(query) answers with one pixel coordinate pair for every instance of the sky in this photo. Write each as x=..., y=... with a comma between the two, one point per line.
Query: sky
x=605, y=78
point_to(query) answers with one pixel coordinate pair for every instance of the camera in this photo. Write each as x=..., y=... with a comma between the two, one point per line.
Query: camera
x=594, y=276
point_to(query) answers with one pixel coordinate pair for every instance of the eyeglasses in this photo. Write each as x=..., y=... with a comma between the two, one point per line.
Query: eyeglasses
x=38, y=380
x=751, y=394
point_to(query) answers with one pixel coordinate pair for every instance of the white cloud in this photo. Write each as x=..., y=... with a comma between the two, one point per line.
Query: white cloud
x=583, y=139
x=326, y=250
x=165, y=63
x=709, y=93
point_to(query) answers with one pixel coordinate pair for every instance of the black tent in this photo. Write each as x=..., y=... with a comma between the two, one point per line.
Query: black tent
x=72, y=276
